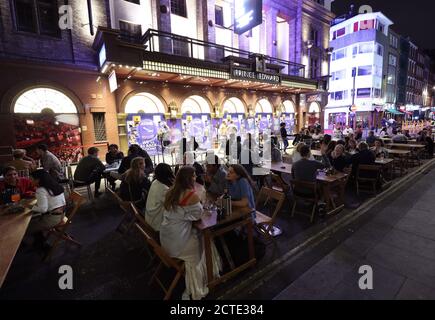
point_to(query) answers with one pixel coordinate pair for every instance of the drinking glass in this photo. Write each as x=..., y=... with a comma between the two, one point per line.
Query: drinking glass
x=15, y=198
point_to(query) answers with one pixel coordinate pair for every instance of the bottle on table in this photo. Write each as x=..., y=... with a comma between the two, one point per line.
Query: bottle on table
x=226, y=204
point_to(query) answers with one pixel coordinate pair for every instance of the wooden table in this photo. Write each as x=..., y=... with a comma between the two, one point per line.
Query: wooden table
x=402, y=156
x=316, y=153
x=406, y=146
x=328, y=182
x=386, y=163
x=278, y=167
x=13, y=226
x=211, y=228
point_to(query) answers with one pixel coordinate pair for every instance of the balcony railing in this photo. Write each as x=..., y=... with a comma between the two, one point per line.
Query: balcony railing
x=169, y=43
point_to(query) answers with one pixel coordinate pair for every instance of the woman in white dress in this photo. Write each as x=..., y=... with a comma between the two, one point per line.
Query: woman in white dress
x=163, y=180
x=178, y=237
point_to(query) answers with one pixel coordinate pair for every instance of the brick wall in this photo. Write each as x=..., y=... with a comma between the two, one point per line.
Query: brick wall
x=72, y=47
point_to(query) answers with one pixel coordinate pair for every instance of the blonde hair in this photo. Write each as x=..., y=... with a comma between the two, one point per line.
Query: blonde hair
x=135, y=173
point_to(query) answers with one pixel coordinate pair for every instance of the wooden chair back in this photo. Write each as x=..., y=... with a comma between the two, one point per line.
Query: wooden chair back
x=266, y=194
x=373, y=172
x=310, y=190
x=141, y=220
x=125, y=205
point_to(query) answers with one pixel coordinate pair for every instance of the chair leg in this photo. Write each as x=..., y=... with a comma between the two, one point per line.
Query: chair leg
x=159, y=268
x=173, y=285
x=313, y=212
x=357, y=187
x=294, y=208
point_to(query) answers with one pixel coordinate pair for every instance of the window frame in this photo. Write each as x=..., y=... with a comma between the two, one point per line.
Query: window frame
x=36, y=14
x=174, y=8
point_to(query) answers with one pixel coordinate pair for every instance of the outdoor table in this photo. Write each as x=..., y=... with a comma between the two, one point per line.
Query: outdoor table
x=13, y=226
x=386, y=163
x=316, y=153
x=327, y=182
x=110, y=168
x=211, y=228
x=402, y=156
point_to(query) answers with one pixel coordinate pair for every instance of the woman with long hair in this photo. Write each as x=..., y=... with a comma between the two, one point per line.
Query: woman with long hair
x=178, y=237
x=240, y=188
x=163, y=180
x=50, y=204
x=135, y=184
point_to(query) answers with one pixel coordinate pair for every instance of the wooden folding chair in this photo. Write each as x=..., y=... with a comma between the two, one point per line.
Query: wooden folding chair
x=264, y=223
x=368, y=174
x=59, y=231
x=309, y=193
x=165, y=261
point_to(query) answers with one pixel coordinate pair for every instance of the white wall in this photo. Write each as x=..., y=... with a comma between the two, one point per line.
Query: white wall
x=134, y=13
x=188, y=27
x=282, y=37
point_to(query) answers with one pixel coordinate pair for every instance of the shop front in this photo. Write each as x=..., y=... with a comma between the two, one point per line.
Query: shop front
x=196, y=121
x=313, y=116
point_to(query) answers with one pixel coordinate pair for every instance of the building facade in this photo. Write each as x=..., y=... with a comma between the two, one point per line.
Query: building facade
x=48, y=91
x=359, y=65
x=186, y=57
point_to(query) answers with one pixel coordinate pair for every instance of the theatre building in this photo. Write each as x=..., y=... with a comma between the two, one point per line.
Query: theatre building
x=126, y=69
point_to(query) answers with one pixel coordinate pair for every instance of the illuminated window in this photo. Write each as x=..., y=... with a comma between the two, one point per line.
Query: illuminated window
x=234, y=105
x=145, y=102
x=36, y=100
x=263, y=106
x=195, y=104
x=37, y=16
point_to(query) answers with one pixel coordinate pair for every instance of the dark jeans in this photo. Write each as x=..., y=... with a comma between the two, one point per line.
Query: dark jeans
x=95, y=177
x=285, y=144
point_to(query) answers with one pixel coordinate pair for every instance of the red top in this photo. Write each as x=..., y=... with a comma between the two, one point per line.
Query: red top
x=183, y=201
x=24, y=186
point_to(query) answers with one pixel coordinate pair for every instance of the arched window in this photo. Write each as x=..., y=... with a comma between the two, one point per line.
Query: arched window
x=195, y=104
x=289, y=106
x=41, y=99
x=263, y=106
x=144, y=103
x=233, y=105
x=314, y=107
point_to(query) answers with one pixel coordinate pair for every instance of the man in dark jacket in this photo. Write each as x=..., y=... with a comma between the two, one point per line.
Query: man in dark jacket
x=90, y=169
x=284, y=136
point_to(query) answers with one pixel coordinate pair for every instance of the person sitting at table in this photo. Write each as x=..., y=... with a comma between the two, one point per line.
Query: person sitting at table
x=50, y=162
x=215, y=178
x=240, y=188
x=189, y=160
x=275, y=153
x=163, y=180
x=135, y=151
x=337, y=158
x=134, y=184
x=399, y=137
x=306, y=169
x=297, y=153
x=379, y=149
x=12, y=185
x=19, y=163
x=351, y=146
x=90, y=169
x=364, y=156
x=358, y=133
x=50, y=203
x=114, y=155
x=182, y=207
x=370, y=140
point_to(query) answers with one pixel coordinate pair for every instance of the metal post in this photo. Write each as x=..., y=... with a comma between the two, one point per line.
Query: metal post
x=353, y=95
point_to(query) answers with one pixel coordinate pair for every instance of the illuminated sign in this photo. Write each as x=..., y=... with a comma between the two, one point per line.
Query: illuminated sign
x=255, y=76
x=248, y=14
x=113, y=83
x=102, y=55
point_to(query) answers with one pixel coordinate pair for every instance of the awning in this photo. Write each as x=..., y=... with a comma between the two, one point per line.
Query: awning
x=395, y=112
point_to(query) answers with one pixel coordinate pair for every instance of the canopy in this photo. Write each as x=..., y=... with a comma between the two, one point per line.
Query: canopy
x=394, y=111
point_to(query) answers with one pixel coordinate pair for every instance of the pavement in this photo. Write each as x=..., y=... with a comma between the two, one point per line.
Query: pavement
x=396, y=239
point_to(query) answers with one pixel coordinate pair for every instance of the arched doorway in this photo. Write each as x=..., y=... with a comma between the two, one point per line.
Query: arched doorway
x=146, y=124
x=196, y=120
x=45, y=115
x=288, y=115
x=264, y=114
x=313, y=114
x=233, y=118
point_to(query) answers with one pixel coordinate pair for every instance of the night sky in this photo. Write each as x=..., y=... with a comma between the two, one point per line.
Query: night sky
x=414, y=18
